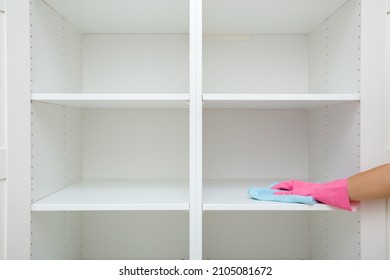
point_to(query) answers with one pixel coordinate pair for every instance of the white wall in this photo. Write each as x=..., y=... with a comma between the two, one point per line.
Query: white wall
x=255, y=64
x=141, y=63
x=255, y=144
x=135, y=144
x=255, y=235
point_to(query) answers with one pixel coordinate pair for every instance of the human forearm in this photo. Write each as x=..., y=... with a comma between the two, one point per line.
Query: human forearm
x=371, y=184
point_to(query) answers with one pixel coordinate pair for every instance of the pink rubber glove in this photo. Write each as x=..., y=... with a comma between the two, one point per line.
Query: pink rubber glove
x=334, y=193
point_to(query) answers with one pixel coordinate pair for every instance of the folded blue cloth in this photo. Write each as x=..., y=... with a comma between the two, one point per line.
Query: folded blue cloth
x=268, y=194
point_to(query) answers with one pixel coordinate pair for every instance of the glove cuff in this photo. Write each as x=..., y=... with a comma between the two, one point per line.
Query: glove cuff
x=334, y=193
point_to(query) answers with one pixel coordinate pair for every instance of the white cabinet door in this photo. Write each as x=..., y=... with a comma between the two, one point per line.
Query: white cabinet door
x=387, y=99
x=2, y=95
x=373, y=122
x=3, y=163
x=2, y=135
x=387, y=148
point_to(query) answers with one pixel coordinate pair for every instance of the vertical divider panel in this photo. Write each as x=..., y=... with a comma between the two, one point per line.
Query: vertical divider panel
x=56, y=148
x=335, y=130
x=317, y=237
x=195, y=129
x=343, y=140
x=343, y=154
x=317, y=146
x=318, y=165
x=334, y=154
x=72, y=235
x=343, y=49
x=335, y=235
x=317, y=59
x=56, y=236
x=335, y=52
x=56, y=163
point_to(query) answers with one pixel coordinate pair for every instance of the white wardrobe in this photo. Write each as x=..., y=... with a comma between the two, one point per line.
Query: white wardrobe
x=136, y=127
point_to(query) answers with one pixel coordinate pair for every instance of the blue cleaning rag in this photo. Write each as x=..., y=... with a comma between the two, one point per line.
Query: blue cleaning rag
x=268, y=194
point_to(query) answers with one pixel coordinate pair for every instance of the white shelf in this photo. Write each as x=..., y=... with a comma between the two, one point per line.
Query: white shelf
x=274, y=101
x=225, y=195
x=115, y=100
x=118, y=195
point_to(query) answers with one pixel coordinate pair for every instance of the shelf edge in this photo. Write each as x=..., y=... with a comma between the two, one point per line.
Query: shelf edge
x=109, y=207
x=109, y=96
x=279, y=97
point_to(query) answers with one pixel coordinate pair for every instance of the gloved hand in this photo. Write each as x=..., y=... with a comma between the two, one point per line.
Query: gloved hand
x=267, y=194
x=334, y=193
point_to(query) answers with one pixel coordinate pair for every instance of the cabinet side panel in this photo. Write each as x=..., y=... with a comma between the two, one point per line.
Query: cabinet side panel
x=317, y=236
x=73, y=140
x=344, y=49
x=343, y=140
x=335, y=236
x=335, y=52
x=334, y=141
x=73, y=62
x=317, y=166
x=343, y=236
x=335, y=154
x=55, y=51
x=56, y=148
x=318, y=60
x=56, y=235
x=317, y=147
x=47, y=162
